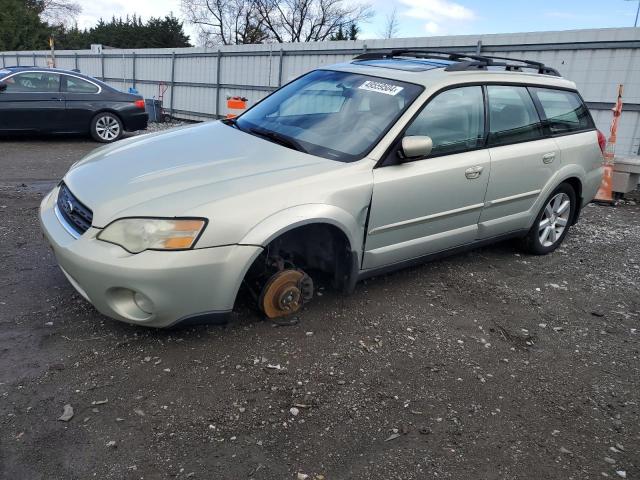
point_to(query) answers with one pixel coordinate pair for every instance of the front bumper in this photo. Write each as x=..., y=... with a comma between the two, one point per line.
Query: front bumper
x=180, y=285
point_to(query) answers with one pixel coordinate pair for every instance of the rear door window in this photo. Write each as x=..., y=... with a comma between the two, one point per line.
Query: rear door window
x=512, y=116
x=564, y=111
x=77, y=85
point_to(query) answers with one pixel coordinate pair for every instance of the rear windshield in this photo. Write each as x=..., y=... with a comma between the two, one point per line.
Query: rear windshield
x=564, y=111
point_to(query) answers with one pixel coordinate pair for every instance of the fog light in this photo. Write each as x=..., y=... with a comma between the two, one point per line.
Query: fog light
x=143, y=302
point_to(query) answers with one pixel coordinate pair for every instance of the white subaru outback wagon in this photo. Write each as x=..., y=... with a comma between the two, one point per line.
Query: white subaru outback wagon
x=346, y=172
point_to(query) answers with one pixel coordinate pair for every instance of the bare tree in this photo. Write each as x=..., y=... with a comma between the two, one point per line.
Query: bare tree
x=392, y=25
x=310, y=20
x=230, y=22
x=60, y=12
x=225, y=22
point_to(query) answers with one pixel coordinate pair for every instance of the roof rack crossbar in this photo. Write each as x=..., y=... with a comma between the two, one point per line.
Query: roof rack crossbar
x=464, y=61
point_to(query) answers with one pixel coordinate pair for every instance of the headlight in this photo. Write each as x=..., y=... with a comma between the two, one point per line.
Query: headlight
x=139, y=234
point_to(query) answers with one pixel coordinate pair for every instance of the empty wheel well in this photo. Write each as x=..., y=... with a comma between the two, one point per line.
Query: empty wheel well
x=318, y=247
x=576, y=185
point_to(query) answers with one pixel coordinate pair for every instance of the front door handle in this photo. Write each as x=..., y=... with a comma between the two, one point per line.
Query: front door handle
x=473, y=172
x=549, y=157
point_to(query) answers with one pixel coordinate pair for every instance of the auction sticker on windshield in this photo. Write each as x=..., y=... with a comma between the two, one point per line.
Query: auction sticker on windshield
x=381, y=87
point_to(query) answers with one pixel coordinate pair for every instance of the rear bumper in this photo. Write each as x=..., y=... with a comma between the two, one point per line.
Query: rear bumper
x=135, y=121
x=180, y=286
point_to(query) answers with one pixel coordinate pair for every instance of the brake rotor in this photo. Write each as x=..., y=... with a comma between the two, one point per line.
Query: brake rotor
x=285, y=292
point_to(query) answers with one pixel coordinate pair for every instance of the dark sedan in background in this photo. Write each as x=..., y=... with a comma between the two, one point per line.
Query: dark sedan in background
x=48, y=100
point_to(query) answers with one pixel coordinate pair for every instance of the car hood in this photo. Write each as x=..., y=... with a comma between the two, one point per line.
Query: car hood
x=170, y=174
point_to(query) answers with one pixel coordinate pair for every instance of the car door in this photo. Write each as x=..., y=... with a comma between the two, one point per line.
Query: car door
x=81, y=97
x=433, y=203
x=31, y=101
x=523, y=160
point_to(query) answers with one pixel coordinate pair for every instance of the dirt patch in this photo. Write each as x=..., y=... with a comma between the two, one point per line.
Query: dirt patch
x=491, y=364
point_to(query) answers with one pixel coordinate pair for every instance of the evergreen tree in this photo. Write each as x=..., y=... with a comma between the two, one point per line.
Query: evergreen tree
x=351, y=33
x=21, y=27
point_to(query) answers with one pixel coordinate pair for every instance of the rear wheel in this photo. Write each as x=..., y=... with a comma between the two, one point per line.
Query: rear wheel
x=553, y=222
x=106, y=127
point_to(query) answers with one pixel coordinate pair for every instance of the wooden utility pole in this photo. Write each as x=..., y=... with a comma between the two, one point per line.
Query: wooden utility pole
x=53, y=52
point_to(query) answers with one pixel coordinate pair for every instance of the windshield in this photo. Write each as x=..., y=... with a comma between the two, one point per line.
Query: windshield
x=336, y=115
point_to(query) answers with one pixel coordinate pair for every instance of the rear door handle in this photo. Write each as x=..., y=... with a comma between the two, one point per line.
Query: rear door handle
x=549, y=157
x=473, y=172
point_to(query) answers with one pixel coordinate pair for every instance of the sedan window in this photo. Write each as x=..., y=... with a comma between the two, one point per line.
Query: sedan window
x=34, y=82
x=77, y=85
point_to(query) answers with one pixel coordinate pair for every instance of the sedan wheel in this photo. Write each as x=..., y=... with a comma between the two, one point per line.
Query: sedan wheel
x=106, y=128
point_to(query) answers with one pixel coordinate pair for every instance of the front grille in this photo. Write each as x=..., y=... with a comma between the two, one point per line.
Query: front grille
x=74, y=212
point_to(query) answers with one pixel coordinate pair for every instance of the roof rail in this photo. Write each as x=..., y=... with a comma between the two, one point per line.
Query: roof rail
x=464, y=61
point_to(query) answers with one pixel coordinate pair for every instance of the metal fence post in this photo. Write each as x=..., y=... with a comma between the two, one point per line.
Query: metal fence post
x=34, y=59
x=18, y=59
x=133, y=69
x=364, y=48
x=479, y=47
x=218, y=63
x=3, y=64
x=75, y=61
x=280, y=65
x=173, y=79
x=102, y=66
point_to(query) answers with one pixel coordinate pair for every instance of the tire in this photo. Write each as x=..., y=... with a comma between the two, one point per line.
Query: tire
x=552, y=223
x=106, y=127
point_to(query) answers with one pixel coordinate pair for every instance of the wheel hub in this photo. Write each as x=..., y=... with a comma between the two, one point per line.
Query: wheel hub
x=285, y=292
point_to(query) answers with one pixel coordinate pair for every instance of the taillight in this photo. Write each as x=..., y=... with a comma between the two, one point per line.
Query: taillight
x=602, y=141
x=139, y=103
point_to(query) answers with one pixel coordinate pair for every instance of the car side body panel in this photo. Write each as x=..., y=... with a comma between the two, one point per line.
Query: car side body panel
x=66, y=112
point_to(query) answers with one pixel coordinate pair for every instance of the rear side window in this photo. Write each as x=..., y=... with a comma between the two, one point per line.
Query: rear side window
x=77, y=85
x=512, y=116
x=454, y=120
x=564, y=110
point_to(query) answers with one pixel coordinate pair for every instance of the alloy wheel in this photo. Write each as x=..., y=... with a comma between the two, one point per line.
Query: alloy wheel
x=107, y=128
x=554, y=220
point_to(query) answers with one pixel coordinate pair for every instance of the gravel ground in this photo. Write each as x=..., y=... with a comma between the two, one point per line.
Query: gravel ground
x=486, y=365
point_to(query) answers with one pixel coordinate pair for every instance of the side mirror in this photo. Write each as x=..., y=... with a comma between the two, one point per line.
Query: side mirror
x=416, y=146
x=3, y=86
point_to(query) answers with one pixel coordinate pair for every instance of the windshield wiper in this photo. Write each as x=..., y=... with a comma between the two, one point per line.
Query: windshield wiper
x=278, y=138
x=232, y=122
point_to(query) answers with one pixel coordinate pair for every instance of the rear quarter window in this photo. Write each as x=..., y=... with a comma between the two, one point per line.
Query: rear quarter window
x=565, y=111
x=77, y=85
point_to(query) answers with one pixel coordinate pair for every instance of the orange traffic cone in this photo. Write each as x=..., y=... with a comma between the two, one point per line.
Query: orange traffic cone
x=605, y=192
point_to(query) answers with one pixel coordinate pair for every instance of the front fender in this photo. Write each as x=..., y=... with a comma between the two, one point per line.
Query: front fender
x=288, y=219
